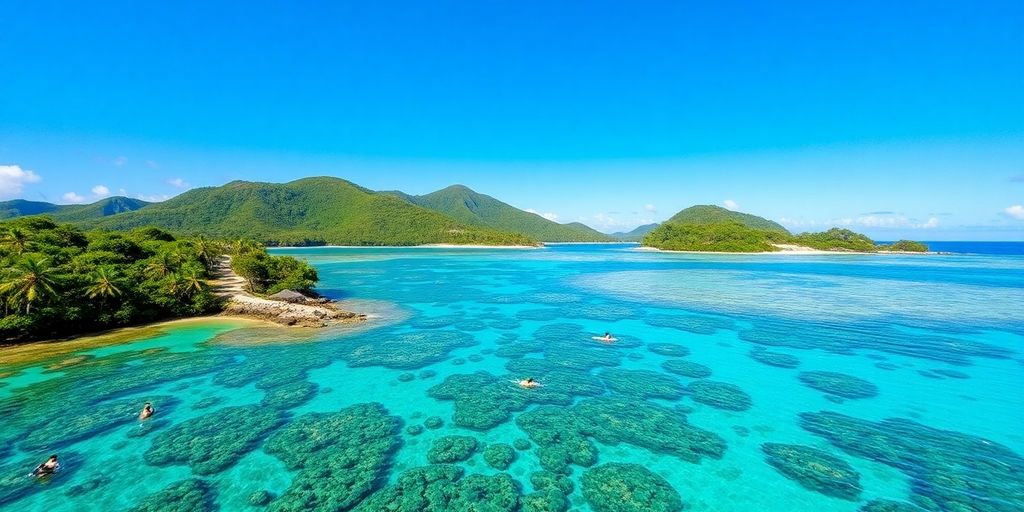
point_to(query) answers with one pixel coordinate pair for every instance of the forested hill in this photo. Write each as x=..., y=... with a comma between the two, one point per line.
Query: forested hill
x=709, y=214
x=475, y=209
x=309, y=211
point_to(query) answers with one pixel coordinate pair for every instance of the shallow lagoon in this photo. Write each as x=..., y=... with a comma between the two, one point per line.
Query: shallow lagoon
x=834, y=381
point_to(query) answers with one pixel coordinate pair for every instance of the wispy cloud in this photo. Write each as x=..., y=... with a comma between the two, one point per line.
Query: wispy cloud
x=101, y=191
x=730, y=204
x=879, y=213
x=553, y=217
x=153, y=198
x=650, y=208
x=1016, y=211
x=178, y=183
x=13, y=179
x=71, y=197
x=120, y=161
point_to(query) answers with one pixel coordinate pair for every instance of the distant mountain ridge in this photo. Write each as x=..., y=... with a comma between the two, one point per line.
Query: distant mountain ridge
x=475, y=209
x=70, y=212
x=635, y=235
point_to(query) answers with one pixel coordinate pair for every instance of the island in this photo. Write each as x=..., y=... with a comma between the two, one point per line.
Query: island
x=708, y=228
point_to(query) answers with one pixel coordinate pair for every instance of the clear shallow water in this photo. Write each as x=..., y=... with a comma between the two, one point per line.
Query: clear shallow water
x=935, y=344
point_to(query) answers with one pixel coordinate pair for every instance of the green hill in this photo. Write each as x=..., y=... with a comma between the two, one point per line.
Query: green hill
x=725, y=236
x=636, y=235
x=70, y=212
x=309, y=211
x=474, y=209
x=21, y=207
x=710, y=214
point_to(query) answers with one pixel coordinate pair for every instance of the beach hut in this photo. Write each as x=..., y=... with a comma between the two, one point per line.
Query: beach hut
x=289, y=296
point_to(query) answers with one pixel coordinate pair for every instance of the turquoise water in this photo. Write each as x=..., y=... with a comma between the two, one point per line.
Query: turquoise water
x=789, y=383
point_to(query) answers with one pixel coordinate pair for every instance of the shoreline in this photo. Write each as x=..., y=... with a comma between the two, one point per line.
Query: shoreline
x=230, y=287
x=800, y=251
x=422, y=246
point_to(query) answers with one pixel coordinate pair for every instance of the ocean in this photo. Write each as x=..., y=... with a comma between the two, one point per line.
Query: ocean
x=736, y=383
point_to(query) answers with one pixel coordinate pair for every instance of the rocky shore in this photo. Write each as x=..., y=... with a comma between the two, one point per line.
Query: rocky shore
x=310, y=313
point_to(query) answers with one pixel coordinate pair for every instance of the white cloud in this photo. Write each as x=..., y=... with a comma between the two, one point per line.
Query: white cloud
x=101, y=191
x=178, y=183
x=13, y=178
x=730, y=204
x=553, y=217
x=887, y=221
x=71, y=197
x=120, y=161
x=155, y=198
x=651, y=208
x=1016, y=211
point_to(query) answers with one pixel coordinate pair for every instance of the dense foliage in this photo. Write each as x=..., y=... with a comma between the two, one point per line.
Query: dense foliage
x=708, y=214
x=710, y=228
x=904, y=246
x=475, y=209
x=728, y=236
x=836, y=239
x=310, y=211
x=270, y=274
x=636, y=235
x=58, y=280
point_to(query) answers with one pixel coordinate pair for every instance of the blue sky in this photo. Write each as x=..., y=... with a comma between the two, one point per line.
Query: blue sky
x=898, y=119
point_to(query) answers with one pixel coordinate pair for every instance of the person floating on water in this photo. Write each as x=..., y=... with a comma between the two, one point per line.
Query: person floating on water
x=147, y=411
x=529, y=383
x=47, y=468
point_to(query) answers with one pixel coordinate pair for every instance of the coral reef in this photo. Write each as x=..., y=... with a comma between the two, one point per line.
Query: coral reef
x=405, y=351
x=287, y=396
x=546, y=480
x=214, y=442
x=839, y=384
x=206, y=403
x=185, y=496
x=668, y=349
x=559, y=441
x=948, y=470
x=433, y=422
x=888, y=506
x=642, y=383
x=339, y=456
x=522, y=444
x=499, y=456
x=15, y=484
x=769, y=358
x=260, y=498
x=721, y=395
x=449, y=449
x=406, y=377
x=617, y=487
x=690, y=323
x=414, y=430
x=441, y=488
x=814, y=469
x=77, y=422
x=687, y=368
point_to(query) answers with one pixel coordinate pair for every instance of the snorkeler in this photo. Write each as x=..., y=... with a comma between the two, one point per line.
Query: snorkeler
x=49, y=467
x=529, y=383
x=147, y=411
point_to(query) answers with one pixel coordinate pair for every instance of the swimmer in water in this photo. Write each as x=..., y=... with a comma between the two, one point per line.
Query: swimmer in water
x=47, y=468
x=147, y=411
x=529, y=383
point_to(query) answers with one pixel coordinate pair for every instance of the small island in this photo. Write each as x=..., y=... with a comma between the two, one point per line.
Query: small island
x=707, y=228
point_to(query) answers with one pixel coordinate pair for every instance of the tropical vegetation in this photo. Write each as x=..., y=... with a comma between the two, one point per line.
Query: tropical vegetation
x=57, y=280
x=711, y=228
x=309, y=211
x=475, y=209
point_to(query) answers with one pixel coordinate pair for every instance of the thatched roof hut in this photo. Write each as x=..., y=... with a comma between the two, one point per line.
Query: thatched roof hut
x=289, y=296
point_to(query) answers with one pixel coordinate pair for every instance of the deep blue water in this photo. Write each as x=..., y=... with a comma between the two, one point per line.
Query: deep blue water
x=995, y=248
x=738, y=383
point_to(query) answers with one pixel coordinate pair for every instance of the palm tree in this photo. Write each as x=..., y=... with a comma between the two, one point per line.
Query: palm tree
x=190, y=282
x=206, y=250
x=163, y=264
x=103, y=285
x=28, y=280
x=17, y=240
